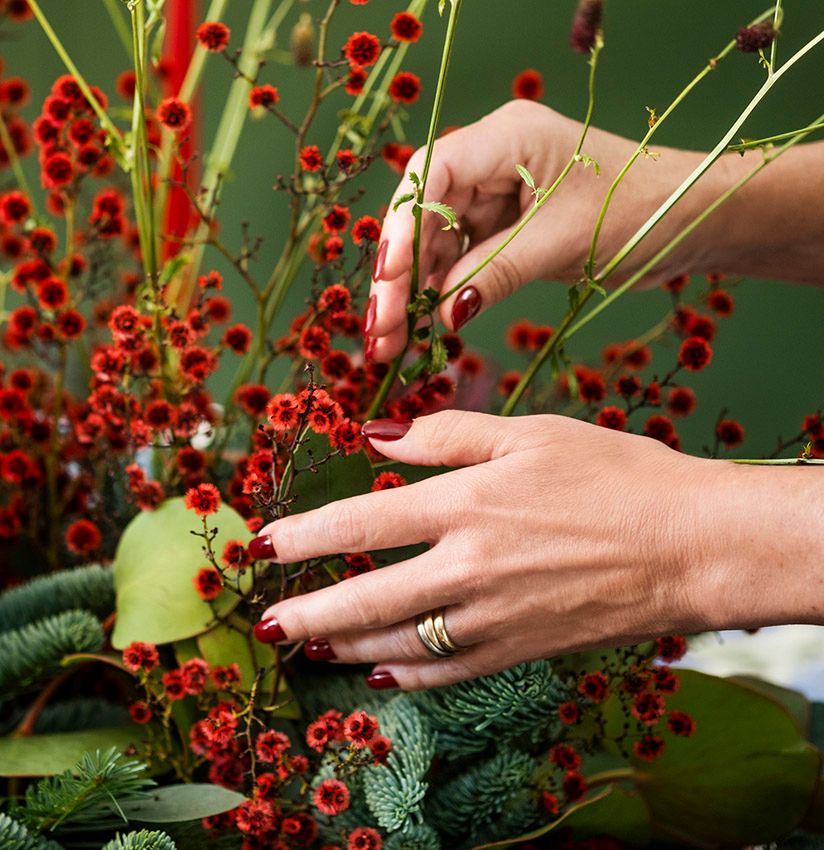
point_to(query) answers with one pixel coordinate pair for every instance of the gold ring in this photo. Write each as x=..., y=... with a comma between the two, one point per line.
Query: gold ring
x=432, y=632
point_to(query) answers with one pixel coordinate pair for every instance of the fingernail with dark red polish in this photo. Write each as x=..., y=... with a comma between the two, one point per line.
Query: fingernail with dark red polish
x=380, y=260
x=466, y=306
x=369, y=352
x=369, y=315
x=381, y=680
x=270, y=631
x=318, y=649
x=262, y=548
x=386, y=429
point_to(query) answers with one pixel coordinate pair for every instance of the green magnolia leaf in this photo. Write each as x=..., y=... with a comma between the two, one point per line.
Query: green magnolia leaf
x=47, y=755
x=745, y=777
x=404, y=199
x=175, y=803
x=526, y=176
x=443, y=210
x=338, y=478
x=794, y=702
x=154, y=567
x=614, y=811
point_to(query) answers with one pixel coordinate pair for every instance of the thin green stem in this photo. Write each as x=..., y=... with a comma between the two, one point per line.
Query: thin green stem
x=777, y=20
x=446, y=58
x=14, y=160
x=642, y=145
x=788, y=461
x=546, y=194
x=758, y=143
x=115, y=10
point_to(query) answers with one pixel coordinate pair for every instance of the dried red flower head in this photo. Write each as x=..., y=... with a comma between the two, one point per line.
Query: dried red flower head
x=213, y=35
x=721, y=302
x=649, y=747
x=648, y=708
x=331, y=797
x=671, y=647
x=194, y=674
x=203, y=499
x=366, y=229
x=226, y=677
x=695, y=354
x=314, y=343
x=83, y=537
x=681, y=401
x=664, y=680
x=406, y=27
x=565, y=757
x=388, y=481
x=380, y=747
x=586, y=25
x=140, y=712
x=283, y=411
x=569, y=713
x=364, y=838
x=337, y=219
x=311, y=159
x=405, y=87
x=52, y=293
x=264, y=95
x=730, y=432
x=755, y=38
x=574, y=785
x=700, y=325
x=57, y=171
x=70, y=324
x=174, y=114
x=271, y=745
x=15, y=207
x=612, y=417
x=140, y=656
x=208, y=583
x=359, y=728
x=336, y=299
x=594, y=687
x=255, y=817
x=238, y=338
x=362, y=49
x=528, y=85
x=346, y=438
x=680, y=723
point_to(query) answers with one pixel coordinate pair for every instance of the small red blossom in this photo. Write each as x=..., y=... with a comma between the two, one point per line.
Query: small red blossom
x=364, y=838
x=586, y=25
x=83, y=537
x=346, y=437
x=730, y=433
x=271, y=745
x=569, y=713
x=612, y=417
x=140, y=656
x=594, y=686
x=757, y=37
x=649, y=747
x=15, y=207
x=314, y=343
x=346, y=159
x=565, y=757
x=380, y=747
x=337, y=219
x=331, y=797
x=238, y=338
x=174, y=114
x=140, y=712
x=695, y=353
x=671, y=648
x=355, y=81
x=283, y=411
x=648, y=708
x=397, y=156
x=203, y=499
x=405, y=87
x=550, y=802
x=213, y=35
x=574, y=785
x=721, y=302
x=406, y=27
x=680, y=723
x=194, y=674
x=173, y=685
x=311, y=159
x=528, y=85
x=359, y=728
x=665, y=681
x=388, y=481
x=362, y=49
x=660, y=428
x=366, y=229
x=208, y=583
x=264, y=95
x=681, y=401
x=57, y=171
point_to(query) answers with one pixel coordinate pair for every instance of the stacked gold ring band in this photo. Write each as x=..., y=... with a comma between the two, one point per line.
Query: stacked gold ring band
x=434, y=636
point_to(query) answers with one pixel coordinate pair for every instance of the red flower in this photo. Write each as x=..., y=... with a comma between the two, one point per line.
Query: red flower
x=83, y=537
x=194, y=673
x=355, y=81
x=586, y=25
x=366, y=229
x=126, y=84
x=359, y=728
x=212, y=280
x=207, y=582
x=695, y=354
x=380, y=747
x=174, y=114
x=565, y=757
x=362, y=49
x=648, y=708
x=649, y=748
x=680, y=723
x=660, y=428
x=235, y=555
x=612, y=417
x=238, y=338
x=311, y=158
x=271, y=745
x=318, y=735
x=406, y=27
x=337, y=219
x=282, y=410
x=57, y=171
x=528, y=85
x=405, y=87
x=224, y=678
x=346, y=437
x=255, y=817
x=730, y=432
x=594, y=686
x=15, y=207
x=252, y=398
x=364, y=838
x=671, y=648
x=314, y=343
x=197, y=364
x=550, y=802
x=664, y=680
x=140, y=712
x=265, y=95
x=331, y=797
x=388, y=481
x=336, y=299
x=52, y=293
x=569, y=713
x=140, y=656
x=346, y=159
x=203, y=499
x=575, y=786
x=721, y=302
x=213, y=35
x=70, y=324
x=755, y=38
x=681, y=401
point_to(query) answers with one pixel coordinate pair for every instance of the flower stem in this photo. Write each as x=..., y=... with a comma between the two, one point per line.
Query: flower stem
x=446, y=57
x=758, y=143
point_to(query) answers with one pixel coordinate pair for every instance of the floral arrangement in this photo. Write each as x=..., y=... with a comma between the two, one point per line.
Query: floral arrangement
x=139, y=711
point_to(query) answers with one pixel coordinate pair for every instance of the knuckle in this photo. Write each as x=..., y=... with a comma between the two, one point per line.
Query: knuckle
x=345, y=528
x=363, y=610
x=505, y=275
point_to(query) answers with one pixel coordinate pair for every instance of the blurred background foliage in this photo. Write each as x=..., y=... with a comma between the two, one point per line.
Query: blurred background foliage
x=768, y=365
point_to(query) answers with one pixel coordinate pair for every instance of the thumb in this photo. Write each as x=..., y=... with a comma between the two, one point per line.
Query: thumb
x=452, y=437
x=515, y=265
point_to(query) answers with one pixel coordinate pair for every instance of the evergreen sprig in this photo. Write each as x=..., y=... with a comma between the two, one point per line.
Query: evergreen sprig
x=15, y=836
x=34, y=651
x=420, y=837
x=88, y=795
x=143, y=840
x=395, y=791
x=89, y=588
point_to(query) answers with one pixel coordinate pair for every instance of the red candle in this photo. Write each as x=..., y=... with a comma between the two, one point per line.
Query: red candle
x=182, y=18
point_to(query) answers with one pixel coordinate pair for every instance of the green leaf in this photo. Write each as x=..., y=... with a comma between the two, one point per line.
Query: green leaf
x=176, y=803
x=415, y=179
x=404, y=199
x=414, y=371
x=338, y=478
x=615, y=811
x=154, y=567
x=526, y=176
x=438, y=356
x=794, y=702
x=443, y=210
x=172, y=267
x=47, y=755
x=591, y=284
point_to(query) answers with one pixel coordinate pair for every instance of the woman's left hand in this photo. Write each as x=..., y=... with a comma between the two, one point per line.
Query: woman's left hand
x=554, y=536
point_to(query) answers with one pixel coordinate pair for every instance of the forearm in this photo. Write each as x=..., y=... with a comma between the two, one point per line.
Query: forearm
x=759, y=554
x=774, y=226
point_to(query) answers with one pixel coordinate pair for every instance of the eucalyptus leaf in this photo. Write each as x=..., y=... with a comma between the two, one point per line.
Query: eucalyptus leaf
x=48, y=755
x=175, y=803
x=154, y=568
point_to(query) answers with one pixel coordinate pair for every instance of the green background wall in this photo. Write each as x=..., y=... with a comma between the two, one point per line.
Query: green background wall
x=769, y=357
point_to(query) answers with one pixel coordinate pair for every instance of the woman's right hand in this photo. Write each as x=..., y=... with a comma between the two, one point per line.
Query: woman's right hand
x=473, y=170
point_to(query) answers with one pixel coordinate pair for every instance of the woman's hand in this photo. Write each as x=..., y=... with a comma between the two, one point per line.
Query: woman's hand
x=556, y=536
x=473, y=170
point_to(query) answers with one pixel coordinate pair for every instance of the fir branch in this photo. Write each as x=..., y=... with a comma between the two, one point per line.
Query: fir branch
x=90, y=588
x=33, y=652
x=143, y=840
x=15, y=836
x=422, y=837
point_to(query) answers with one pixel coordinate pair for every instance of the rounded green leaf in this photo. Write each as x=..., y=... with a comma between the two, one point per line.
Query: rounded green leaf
x=155, y=565
x=177, y=803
